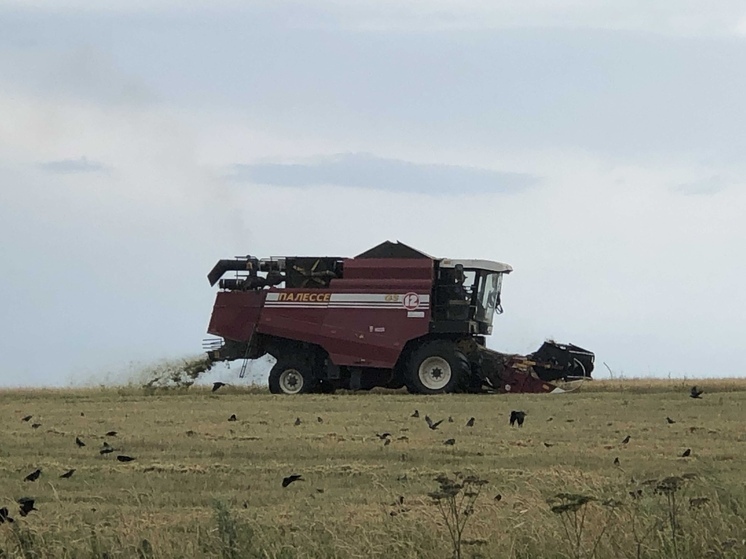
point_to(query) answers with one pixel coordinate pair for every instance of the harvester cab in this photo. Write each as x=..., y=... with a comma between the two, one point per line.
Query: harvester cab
x=390, y=317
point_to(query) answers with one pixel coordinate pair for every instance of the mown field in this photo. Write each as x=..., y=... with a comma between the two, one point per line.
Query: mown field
x=202, y=486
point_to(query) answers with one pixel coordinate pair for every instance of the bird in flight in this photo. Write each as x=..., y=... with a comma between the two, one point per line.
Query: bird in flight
x=695, y=393
x=290, y=479
x=517, y=417
x=431, y=424
x=33, y=476
x=217, y=385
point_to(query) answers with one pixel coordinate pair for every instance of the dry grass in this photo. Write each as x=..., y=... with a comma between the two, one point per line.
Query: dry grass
x=206, y=487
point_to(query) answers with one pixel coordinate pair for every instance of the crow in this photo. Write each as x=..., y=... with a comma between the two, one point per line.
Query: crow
x=450, y=419
x=625, y=440
x=33, y=476
x=78, y=442
x=68, y=474
x=106, y=450
x=27, y=418
x=111, y=434
x=297, y=420
x=430, y=423
x=670, y=421
x=383, y=435
x=470, y=423
x=124, y=458
x=450, y=442
x=319, y=420
x=290, y=479
x=27, y=505
x=695, y=393
x=415, y=414
x=517, y=417
x=4, y=516
x=616, y=461
x=217, y=385
x=686, y=453
x=387, y=442
x=548, y=445
x=36, y=425
x=233, y=417
x=498, y=497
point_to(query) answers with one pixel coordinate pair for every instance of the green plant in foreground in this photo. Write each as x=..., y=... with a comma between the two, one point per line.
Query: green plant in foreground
x=455, y=499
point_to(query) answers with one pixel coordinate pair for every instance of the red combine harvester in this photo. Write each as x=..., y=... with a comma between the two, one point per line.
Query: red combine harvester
x=389, y=317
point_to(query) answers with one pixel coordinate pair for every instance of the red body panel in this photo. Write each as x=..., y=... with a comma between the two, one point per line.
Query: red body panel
x=363, y=320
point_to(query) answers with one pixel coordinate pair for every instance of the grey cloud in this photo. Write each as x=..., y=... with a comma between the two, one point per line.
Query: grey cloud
x=69, y=166
x=706, y=186
x=368, y=171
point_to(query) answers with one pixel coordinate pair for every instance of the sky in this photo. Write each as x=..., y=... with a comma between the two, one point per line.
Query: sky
x=597, y=148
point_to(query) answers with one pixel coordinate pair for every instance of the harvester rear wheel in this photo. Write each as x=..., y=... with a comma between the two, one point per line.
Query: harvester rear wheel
x=437, y=367
x=292, y=376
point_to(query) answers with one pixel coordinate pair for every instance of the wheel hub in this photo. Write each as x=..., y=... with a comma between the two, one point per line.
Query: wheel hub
x=291, y=381
x=435, y=373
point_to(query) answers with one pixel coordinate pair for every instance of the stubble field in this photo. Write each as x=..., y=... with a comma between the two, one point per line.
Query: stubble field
x=205, y=487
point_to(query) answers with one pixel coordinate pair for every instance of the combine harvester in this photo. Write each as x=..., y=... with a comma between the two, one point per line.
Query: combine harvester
x=389, y=317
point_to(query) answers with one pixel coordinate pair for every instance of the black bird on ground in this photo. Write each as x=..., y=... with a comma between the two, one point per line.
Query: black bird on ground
x=27, y=418
x=387, y=442
x=297, y=421
x=36, y=425
x=233, y=417
x=450, y=419
x=415, y=414
x=548, y=445
x=616, y=461
x=106, y=450
x=431, y=424
x=111, y=434
x=27, y=505
x=517, y=417
x=78, y=442
x=470, y=423
x=290, y=479
x=696, y=393
x=450, y=442
x=68, y=474
x=686, y=453
x=670, y=421
x=319, y=419
x=124, y=458
x=217, y=386
x=383, y=435
x=625, y=440
x=5, y=516
x=33, y=476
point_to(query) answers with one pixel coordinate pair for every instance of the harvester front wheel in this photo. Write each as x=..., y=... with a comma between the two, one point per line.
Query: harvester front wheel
x=437, y=367
x=292, y=376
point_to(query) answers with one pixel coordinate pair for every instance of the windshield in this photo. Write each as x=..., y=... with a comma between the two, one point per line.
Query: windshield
x=488, y=297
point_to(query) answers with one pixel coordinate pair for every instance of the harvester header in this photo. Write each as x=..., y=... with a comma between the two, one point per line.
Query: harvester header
x=390, y=317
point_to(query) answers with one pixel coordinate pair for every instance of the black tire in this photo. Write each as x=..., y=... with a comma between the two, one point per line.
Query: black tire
x=437, y=367
x=291, y=376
